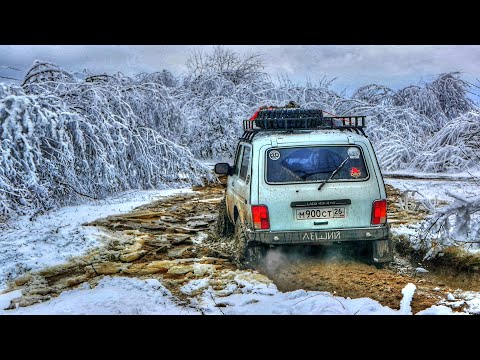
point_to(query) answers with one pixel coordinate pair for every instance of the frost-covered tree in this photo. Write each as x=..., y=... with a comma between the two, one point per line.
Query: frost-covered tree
x=221, y=89
x=455, y=224
x=63, y=138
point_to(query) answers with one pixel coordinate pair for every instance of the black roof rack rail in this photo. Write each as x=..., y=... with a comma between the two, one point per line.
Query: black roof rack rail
x=300, y=119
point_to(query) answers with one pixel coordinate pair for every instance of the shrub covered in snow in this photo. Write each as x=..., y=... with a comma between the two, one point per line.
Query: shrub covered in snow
x=62, y=138
x=454, y=224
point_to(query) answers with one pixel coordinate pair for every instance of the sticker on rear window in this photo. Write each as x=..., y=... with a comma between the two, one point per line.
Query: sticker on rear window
x=355, y=172
x=274, y=155
x=353, y=153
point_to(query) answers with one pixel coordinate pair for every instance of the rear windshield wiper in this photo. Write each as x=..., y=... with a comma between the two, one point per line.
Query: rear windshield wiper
x=333, y=173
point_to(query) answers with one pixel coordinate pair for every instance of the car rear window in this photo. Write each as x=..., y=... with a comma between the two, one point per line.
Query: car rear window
x=311, y=164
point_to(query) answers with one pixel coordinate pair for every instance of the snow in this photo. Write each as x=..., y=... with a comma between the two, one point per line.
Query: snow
x=438, y=310
x=6, y=298
x=435, y=189
x=245, y=296
x=194, y=285
x=405, y=303
x=458, y=176
x=299, y=302
x=112, y=296
x=56, y=236
x=258, y=298
x=121, y=295
x=471, y=299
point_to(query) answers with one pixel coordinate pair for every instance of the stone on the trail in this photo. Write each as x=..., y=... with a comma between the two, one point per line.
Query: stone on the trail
x=22, y=280
x=253, y=277
x=75, y=280
x=178, y=238
x=217, y=200
x=131, y=232
x=185, y=230
x=108, y=268
x=28, y=300
x=177, y=251
x=160, y=241
x=420, y=270
x=161, y=265
x=154, y=226
x=162, y=249
x=204, y=217
x=135, y=246
x=169, y=219
x=125, y=225
x=200, y=270
x=132, y=256
x=40, y=291
x=143, y=215
x=197, y=224
x=56, y=269
x=180, y=269
x=149, y=268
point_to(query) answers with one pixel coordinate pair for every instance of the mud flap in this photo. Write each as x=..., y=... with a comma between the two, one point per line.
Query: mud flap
x=382, y=251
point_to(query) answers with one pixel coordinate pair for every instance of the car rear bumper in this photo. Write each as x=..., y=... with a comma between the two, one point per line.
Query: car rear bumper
x=319, y=236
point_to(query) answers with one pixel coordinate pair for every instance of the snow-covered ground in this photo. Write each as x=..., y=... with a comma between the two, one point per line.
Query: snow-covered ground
x=435, y=189
x=120, y=295
x=424, y=175
x=55, y=236
x=112, y=296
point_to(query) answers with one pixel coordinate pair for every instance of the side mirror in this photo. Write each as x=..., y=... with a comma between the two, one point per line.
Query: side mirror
x=223, y=169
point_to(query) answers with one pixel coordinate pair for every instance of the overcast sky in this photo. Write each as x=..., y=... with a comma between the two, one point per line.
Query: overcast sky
x=352, y=65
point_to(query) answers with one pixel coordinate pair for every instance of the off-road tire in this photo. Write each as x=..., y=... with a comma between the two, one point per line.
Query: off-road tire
x=383, y=265
x=246, y=254
x=380, y=265
x=274, y=119
x=224, y=228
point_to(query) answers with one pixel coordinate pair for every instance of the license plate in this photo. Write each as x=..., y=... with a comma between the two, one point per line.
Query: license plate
x=321, y=213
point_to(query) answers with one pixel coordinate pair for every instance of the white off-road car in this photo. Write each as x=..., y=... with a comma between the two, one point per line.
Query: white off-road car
x=302, y=178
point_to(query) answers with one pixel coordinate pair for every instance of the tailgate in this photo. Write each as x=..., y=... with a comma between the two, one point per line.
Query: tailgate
x=303, y=207
x=289, y=187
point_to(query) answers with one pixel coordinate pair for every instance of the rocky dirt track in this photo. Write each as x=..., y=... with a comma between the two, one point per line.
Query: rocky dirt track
x=171, y=240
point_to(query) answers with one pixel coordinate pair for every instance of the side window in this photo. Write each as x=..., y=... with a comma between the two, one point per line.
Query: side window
x=237, y=160
x=245, y=162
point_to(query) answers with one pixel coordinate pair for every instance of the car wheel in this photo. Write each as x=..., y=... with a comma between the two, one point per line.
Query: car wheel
x=224, y=227
x=246, y=254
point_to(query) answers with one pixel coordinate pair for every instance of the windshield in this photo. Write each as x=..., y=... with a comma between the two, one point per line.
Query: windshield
x=313, y=164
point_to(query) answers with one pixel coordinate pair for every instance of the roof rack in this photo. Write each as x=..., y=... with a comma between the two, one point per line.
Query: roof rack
x=300, y=119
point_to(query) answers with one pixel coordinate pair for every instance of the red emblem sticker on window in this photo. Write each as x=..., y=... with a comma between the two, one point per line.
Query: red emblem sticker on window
x=355, y=172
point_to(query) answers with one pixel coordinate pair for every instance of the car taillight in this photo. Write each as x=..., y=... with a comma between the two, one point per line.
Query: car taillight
x=379, y=212
x=260, y=217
